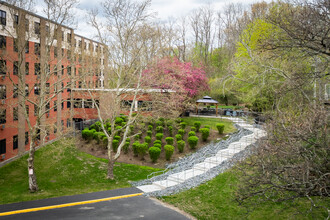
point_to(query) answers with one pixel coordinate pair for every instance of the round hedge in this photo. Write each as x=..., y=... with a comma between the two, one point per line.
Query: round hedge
x=197, y=125
x=205, y=133
x=169, y=140
x=220, y=127
x=191, y=133
x=193, y=141
x=169, y=149
x=180, y=145
x=178, y=137
x=154, y=153
x=159, y=136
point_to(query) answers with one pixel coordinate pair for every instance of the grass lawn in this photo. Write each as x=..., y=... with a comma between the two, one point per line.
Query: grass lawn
x=216, y=200
x=212, y=122
x=62, y=170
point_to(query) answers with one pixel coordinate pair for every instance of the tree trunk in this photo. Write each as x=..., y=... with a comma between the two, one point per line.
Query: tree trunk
x=110, y=169
x=33, y=186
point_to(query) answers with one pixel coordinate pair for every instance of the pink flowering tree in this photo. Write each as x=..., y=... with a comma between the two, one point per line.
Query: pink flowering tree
x=170, y=74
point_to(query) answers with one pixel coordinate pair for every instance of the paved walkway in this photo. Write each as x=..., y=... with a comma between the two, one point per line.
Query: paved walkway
x=209, y=162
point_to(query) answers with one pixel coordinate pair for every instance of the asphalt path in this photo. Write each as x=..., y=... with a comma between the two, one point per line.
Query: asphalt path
x=136, y=207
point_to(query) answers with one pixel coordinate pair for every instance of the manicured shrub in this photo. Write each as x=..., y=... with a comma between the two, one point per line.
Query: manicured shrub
x=109, y=131
x=137, y=137
x=169, y=149
x=207, y=126
x=118, y=128
x=193, y=141
x=158, y=145
x=128, y=140
x=84, y=133
x=101, y=136
x=183, y=125
x=135, y=147
x=159, y=123
x=150, y=127
x=169, y=140
x=159, y=129
x=178, y=137
x=123, y=124
x=107, y=125
x=169, y=123
x=98, y=126
x=93, y=126
x=159, y=136
x=115, y=144
x=180, y=145
x=191, y=133
x=181, y=132
x=162, y=119
x=178, y=120
x=89, y=135
x=147, y=139
x=105, y=141
x=170, y=130
x=93, y=130
x=158, y=142
x=142, y=149
x=124, y=117
x=192, y=129
x=197, y=125
x=131, y=129
x=118, y=121
x=154, y=153
x=221, y=128
x=205, y=133
x=149, y=133
x=126, y=147
x=116, y=137
x=96, y=136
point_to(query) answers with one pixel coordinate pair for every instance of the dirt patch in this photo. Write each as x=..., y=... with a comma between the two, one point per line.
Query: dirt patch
x=99, y=151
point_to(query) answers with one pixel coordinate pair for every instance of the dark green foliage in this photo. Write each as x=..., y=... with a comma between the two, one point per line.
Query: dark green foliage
x=128, y=140
x=207, y=126
x=84, y=133
x=134, y=114
x=159, y=129
x=115, y=144
x=158, y=145
x=142, y=149
x=147, y=139
x=137, y=137
x=149, y=133
x=98, y=126
x=192, y=129
x=221, y=128
x=150, y=127
x=205, y=133
x=183, y=125
x=162, y=119
x=92, y=127
x=180, y=145
x=117, y=138
x=178, y=120
x=197, y=125
x=96, y=136
x=159, y=136
x=169, y=149
x=193, y=141
x=93, y=130
x=118, y=128
x=105, y=141
x=158, y=142
x=123, y=124
x=135, y=147
x=170, y=130
x=101, y=136
x=169, y=123
x=126, y=147
x=191, y=133
x=119, y=121
x=169, y=140
x=109, y=131
x=131, y=129
x=181, y=132
x=159, y=123
x=107, y=125
x=178, y=137
x=125, y=118
x=154, y=153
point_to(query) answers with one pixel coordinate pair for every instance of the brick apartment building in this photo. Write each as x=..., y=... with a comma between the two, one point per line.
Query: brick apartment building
x=65, y=55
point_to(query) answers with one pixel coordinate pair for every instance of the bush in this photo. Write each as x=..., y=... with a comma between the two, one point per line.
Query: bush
x=135, y=147
x=221, y=128
x=178, y=120
x=109, y=131
x=159, y=136
x=128, y=140
x=126, y=147
x=181, y=132
x=159, y=123
x=170, y=130
x=118, y=128
x=205, y=133
x=183, y=125
x=117, y=138
x=137, y=137
x=191, y=133
x=96, y=136
x=93, y=126
x=178, y=137
x=154, y=153
x=118, y=121
x=131, y=129
x=180, y=145
x=93, y=130
x=107, y=125
x=124, y=117
x=147, y=139
x=142, y=149
x=115, y=144
x=101, y=136
x=162, y=119
x=169, y=149
x=89, y=135
x=197, y=125
x=159, y=129
x=158, y=145
x=192, y=129
x=149, y=133
x=207, y=126
x=150, y=127
x=158, y=142
x=169, y=123
x=169, y=140
x=84, y=133
x=105, y=141
x=193, y=141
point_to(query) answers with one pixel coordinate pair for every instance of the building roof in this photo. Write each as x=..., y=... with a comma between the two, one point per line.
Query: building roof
x=207, y=99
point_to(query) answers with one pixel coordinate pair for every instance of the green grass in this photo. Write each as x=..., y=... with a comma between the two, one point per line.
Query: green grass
x=212, y=122
x=216, y=200
x=62, y=170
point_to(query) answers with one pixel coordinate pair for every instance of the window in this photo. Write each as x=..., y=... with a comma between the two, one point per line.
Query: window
x=37, y=28
x=16, y=20
x=36, y=110
x=68, y=103
x=36, y=89
x=79, y=84
x=77, y=103
x=15, y=113
x=26, y=138
x=47, y=88
x=69, y=70
x=27, y=90
x=68, y=123
x=79, y=43
x=55, y=129
x=15, y=142
x=2, y=17
x=55, y=52
x=37, y=49
x=3, y=92
x=3, y=146
x=62, y=105
x=27, y=67
x=36, y=68
x=3, y=67
x=55, y=106
x=3, y=116
x=15, y=68
x=47, y=107
x=15, y=91
x=3, y=42
x=69, y=37
x=62, y=124
x=27, y=49
x=68, y=86
x=15, y=46
x=68, y=54
x=88, y=103
x=27, y=110
x=62, y=70
x=62, y=88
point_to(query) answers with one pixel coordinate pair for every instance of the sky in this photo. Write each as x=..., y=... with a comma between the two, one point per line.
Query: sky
x=165, y=9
